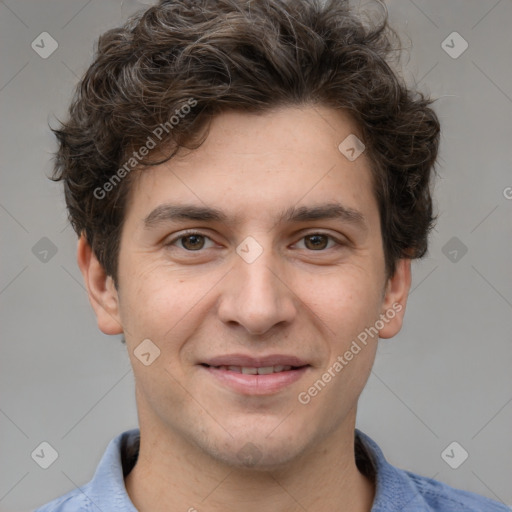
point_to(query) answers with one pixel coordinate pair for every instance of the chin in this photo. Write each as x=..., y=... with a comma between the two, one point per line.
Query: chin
x=254, y=458
x=257, y=452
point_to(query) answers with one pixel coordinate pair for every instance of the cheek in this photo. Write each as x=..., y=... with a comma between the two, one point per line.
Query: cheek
x=149, y=301
x=348, y=303
x=346, y=299
x=347, y=306
x=164, y=305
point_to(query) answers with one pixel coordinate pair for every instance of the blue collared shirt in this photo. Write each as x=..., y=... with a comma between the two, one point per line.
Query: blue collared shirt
x=396, y=490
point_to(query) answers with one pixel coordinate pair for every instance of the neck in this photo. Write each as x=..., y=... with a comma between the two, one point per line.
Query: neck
x=171, y=474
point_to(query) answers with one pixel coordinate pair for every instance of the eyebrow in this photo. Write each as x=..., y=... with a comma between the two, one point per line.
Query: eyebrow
x=170, y=212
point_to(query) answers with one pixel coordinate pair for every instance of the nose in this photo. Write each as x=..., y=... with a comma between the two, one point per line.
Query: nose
x=257, y=296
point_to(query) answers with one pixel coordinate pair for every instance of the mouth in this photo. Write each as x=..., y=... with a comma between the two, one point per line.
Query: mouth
x=253, y=370
x=250, y=376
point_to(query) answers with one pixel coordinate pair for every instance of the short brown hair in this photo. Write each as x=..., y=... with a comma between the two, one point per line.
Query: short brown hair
x=245, y=55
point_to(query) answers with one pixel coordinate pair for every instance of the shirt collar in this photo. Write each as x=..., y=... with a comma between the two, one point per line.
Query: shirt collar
x=395, y=490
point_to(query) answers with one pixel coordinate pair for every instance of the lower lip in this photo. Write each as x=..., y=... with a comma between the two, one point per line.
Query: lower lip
x=256, y=384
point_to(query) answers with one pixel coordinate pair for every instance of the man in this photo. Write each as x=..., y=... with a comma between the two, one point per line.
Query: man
x=250, y=181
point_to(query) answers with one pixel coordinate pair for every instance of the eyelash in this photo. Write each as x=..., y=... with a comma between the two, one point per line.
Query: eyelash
x=186, y=234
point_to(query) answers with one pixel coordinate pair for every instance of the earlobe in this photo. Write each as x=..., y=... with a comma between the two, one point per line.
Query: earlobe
x=395, y=299
x=102, y=293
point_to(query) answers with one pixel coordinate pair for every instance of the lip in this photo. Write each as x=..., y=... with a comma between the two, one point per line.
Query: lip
x=259, y=385
x=255, y=362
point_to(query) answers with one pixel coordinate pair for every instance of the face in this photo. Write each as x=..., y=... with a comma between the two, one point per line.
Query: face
x=253, y=264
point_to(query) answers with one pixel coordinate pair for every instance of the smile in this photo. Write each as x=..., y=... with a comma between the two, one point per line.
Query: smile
x=251, y=370
x=252, y=380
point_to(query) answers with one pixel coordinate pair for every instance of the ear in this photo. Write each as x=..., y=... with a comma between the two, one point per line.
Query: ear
x=100, y=288
x=395, y=299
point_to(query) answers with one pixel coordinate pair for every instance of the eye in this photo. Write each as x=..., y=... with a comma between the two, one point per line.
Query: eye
x=319, y=241
x=194, y=241
x=191, y=241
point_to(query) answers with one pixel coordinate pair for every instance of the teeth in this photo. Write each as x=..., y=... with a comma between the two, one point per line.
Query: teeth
x=264, y=370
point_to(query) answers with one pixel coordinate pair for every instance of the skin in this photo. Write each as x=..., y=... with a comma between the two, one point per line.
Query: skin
x=296, y=298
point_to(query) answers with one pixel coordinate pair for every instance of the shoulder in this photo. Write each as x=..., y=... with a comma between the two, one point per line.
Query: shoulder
x=74, y=501
x=106, y=491
x=439, y=496
x=398, y=490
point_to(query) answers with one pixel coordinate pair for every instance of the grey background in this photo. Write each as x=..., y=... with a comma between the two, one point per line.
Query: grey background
x=446, y=377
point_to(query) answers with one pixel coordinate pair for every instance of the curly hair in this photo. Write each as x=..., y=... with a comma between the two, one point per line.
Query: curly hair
x=212, y=56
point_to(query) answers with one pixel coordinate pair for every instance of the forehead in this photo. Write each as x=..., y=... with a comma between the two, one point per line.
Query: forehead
x=262, y=164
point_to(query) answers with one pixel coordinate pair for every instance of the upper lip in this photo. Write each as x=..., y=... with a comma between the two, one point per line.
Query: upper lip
x=254, y=362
